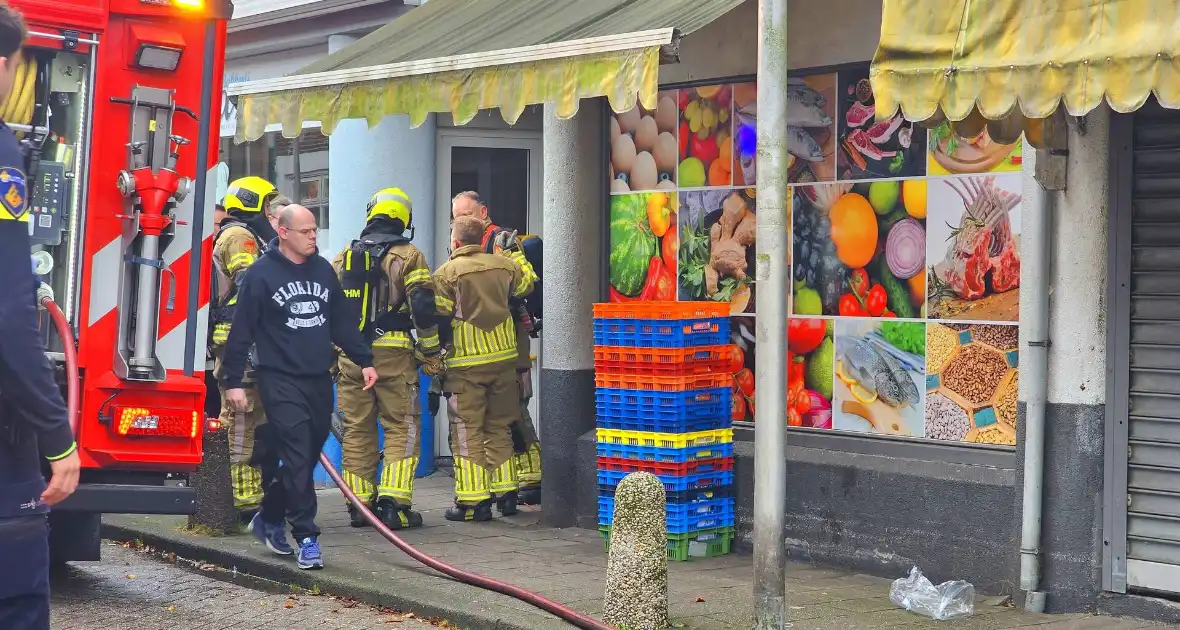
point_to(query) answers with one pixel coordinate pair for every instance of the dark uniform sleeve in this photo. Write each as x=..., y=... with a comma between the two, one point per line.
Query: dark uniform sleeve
x=26, y=377
x=345, y=333
x=241, y=333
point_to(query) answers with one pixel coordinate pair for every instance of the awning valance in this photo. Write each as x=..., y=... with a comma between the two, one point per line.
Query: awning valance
x=997, y=55
x=461, y=57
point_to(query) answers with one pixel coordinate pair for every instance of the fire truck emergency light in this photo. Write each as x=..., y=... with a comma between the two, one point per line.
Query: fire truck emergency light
x=155, y=48
x=142, y=421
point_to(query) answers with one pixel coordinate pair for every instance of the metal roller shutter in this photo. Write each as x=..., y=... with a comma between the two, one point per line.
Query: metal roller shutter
x=1153, y=405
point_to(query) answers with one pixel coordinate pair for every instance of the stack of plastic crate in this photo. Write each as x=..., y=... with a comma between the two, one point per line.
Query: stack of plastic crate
x=663, y=402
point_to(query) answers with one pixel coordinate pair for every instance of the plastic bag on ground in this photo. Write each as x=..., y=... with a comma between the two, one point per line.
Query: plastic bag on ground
x=948, y=600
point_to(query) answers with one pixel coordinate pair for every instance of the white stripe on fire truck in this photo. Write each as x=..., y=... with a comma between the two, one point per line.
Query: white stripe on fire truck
x=170, y=347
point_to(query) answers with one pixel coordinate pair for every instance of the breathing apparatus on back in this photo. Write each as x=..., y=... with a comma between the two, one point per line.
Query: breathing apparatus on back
x=389, y=221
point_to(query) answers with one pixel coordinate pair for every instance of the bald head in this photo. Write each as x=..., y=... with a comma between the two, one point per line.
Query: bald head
x=297, y=232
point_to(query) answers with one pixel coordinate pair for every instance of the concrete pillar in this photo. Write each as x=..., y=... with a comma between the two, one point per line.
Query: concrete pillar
x=575, y=204
x=362, y=161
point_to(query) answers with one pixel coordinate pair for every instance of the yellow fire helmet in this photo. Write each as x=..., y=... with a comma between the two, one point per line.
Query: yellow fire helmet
x=248, y=194
x=393, y=203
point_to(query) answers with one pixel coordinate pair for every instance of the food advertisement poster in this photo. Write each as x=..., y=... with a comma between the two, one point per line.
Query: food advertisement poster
x=904, y=257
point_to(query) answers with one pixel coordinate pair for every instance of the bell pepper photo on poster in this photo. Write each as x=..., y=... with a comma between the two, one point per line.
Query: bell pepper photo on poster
x=643, y=245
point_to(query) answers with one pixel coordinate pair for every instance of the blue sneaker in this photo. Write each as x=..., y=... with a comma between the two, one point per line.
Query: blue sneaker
x=273, y=536
x=309, y=554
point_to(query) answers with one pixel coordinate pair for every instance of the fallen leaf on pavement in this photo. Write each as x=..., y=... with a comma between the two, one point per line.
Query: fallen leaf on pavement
x=700, y=599
x=130, y=576
x=289, y=604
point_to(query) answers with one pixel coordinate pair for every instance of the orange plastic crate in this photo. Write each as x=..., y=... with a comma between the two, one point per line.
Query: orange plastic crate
x=692, y=360
x=652, y=383
x=661, y=310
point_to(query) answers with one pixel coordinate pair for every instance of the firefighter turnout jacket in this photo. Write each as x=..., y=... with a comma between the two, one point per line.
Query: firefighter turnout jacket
x=235, y=247
x=387, y=280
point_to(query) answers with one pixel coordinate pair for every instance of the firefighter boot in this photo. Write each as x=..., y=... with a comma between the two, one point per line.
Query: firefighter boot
x=355, y=518
x=504, y=487
x=397, y=517
x=528, y=467
x=481, y=511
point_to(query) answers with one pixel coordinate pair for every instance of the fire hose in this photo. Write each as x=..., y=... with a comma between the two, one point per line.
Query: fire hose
x=577, y=619
x=71, y=356
x=529, y=597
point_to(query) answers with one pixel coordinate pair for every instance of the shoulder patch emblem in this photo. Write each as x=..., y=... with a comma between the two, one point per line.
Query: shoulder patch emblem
x=250, y=246
x=13, y=192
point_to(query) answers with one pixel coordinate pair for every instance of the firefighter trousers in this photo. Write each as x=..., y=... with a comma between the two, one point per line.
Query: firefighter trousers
x=288, y=447
x=24, y=585
x=244, y=479
x=525, y=445
x=395, y=399
x=484, y=401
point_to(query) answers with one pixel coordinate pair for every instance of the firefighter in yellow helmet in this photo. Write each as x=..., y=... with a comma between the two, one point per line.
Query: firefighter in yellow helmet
x=473, y=292
x=243, y=236
x=388, y=281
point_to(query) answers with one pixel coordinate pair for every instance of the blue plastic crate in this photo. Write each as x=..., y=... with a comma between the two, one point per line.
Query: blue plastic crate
x=661, y=454
x=684, y=496
x=674, y=483
x=662, y=333
x=648, y=407
x=682, y=518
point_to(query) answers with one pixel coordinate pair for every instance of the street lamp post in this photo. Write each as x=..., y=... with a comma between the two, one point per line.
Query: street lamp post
x=770, y=433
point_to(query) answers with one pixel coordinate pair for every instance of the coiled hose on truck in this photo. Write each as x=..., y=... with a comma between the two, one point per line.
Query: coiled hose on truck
x=73, y=384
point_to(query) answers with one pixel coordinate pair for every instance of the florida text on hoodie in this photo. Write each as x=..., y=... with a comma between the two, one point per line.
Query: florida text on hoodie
x=293, y=313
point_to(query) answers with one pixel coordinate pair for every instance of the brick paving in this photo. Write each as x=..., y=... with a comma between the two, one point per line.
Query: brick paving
x=567, y=565
x=132, y=590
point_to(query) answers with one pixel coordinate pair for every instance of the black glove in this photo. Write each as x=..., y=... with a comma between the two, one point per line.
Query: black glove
x=432, y=402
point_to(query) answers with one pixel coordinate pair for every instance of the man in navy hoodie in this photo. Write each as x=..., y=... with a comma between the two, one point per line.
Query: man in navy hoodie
x=292, y=309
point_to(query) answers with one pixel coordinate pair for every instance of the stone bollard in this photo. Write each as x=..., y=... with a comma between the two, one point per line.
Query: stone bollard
x=215, y=513
x=637, y=564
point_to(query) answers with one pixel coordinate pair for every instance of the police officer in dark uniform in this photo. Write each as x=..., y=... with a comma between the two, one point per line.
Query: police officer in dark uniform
x=34, y=426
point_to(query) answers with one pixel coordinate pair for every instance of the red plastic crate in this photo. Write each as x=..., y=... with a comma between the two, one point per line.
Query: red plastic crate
x=617, y=464
x=661, y=361
x=661, y=310
x=653, y=383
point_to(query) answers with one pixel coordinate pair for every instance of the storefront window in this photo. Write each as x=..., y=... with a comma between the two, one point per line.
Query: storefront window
x=284, y=161
x=905, y=266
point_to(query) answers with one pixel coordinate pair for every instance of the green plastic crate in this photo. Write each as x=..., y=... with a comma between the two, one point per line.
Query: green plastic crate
x=705, y=543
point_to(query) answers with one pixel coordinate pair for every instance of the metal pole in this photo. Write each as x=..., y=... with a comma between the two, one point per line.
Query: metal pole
x=770, y=433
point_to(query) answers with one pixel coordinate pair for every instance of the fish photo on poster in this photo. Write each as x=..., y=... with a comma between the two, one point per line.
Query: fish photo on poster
x=811, y=128
x=973, y=250
x=643, y=147
x=717, y=233
x=872, y=149
x=880, y=369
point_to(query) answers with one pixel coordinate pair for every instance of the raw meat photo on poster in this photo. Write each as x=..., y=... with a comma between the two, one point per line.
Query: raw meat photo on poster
x=872, y=149
x=972, y=382
x=880, y=377
x=717, y=231
x=973, y=248
x=643, y=153
x=643, y=244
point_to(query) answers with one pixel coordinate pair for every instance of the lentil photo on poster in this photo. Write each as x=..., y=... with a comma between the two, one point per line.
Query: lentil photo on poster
x=643, y=245
x=868, y=149
x=716, y=261
x=879, y=369
x=643, y=147
x=972, y=382
x=973, y=248
x=859, y=250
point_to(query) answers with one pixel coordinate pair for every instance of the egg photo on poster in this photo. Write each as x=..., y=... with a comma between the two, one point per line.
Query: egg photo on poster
x=643, y=147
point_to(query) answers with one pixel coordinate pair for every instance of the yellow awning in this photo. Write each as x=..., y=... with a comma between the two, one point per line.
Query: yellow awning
x=1033, y=54
x=461, y=56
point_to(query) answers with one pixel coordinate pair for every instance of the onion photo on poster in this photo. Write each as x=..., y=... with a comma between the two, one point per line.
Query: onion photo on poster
x=717, y=231
x=643, y=246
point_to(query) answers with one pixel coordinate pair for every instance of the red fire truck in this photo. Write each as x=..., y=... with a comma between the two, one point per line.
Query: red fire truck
x=118, y=103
